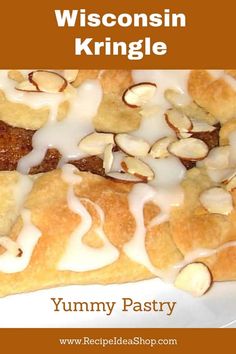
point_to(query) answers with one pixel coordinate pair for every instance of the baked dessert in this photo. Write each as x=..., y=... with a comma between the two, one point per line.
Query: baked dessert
x=117, y=176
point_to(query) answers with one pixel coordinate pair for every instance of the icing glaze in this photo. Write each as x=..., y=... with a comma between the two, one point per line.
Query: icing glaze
x=140, y=195
x=164, y=79
x=79, y=256
x=26, y=241
x=66, y=134
x=196, y=254
x=21, y=190
x=33, y=100
x=164, y=190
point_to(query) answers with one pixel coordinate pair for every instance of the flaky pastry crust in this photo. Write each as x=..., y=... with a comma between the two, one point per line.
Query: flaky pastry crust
x=189, y=227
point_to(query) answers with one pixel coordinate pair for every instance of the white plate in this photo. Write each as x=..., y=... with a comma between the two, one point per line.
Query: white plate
x=215, y=309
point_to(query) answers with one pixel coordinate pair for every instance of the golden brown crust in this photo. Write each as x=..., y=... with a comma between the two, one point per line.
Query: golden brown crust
x=113, y=82
x=190, y=227
x=214, y=95
x=51, y=214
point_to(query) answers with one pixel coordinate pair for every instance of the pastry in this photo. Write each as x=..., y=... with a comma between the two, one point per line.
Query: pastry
x=117, y=176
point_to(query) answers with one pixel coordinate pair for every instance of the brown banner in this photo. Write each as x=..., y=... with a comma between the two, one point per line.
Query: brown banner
x=31, y=37
x=60, y=341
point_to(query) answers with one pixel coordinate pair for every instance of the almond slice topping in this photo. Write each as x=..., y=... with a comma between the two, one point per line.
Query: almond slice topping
x=194, y=278
x=124, y=177
x=218, y=158
x=139, y=94
x=221, y=175
x=229, y=175
x=201, y=126
x=217, y=200
x=231, y=185
x=178, y=121
x=108, y=158
x=70, y=75
x=47, y=81
x=189, y=149
x=132, y=145
x=177, y=99
x=160, y=148
x=137, y=168
x=26, y=86
x=95, y=143
x=184, y=135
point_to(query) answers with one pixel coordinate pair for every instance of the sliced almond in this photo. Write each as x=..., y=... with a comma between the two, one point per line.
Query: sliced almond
x=189, y=149
x=177, y=99
x=108, y=158
x=221, y=175
x=26, y=86
x=70, y=75
x=10, y=245
x=218, y=158
x=201, y=126
x=217, y=200
x=47, y=81
x=124, y=177
x=132, y=145
x=229, y=175
x=95, y=143
x=139, y=94
x=159, y=149
x=137, y=168
x=178, y=121
x=231, y=185
x=194, y=278
x=184, y=135
x=193, y=111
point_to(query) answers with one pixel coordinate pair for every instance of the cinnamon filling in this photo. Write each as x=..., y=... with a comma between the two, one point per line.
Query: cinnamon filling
x=17, y=142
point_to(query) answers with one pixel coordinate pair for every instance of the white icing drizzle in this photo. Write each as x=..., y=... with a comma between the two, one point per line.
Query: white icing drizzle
x=166, y=199
x=135, y=248
x=164, y=79
x=162, y=168
x=220, y=174
x=66, y=134
x=164, y=190
x=21, y=190
x=157, y=123
x=140, y=195
x=196, y=254
x=163, y=171
x=34, y=100
x=68, y=174
x=78, y=256
x=26, y=240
